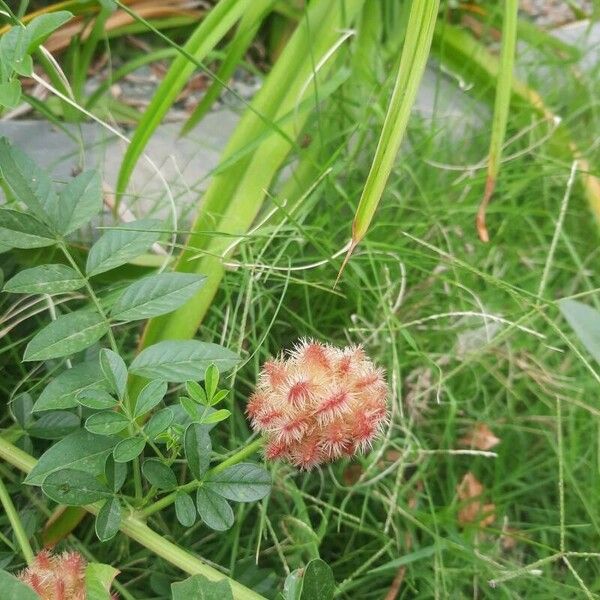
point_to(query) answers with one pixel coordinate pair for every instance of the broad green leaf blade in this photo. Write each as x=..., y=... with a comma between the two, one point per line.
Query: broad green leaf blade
x=159, y=423
x=108, y=520
x=244, y=482
x=106, y=423
x=21, y=230
x=217, y=416
x=54, y=425
x=417, y=44
x=185, y=509
x=13, y=589
x=74, y=487
x=98, y=579
x=179, y=361
x=198, y=448
x=29, y=184
x=199, y=587
x=96, y=399
x=190, y=407
x=196, y=391
x=79, y=201
x=45, y=279
x=63, y=391
x=317, y=582
x=115, y=371
x=211, y=381
x=21, y=407
x=14, y=51
x=115, y=473
x=42, y=26
x=66, y=335
x=151, y=395
x=585, y=322
x=158, y=474
x=156, y=295
x=128, y=449
x=80, y=450
x=10, y=93
x=213, y=509
x=120, y=245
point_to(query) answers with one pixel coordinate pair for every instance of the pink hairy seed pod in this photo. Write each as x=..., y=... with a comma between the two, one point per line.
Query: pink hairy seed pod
x=318, y=403
x=57, y=577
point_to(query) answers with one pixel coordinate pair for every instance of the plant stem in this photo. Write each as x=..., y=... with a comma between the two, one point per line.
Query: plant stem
x=15, y=521
x=234, y=459
x=132, y=527
x=137, y=474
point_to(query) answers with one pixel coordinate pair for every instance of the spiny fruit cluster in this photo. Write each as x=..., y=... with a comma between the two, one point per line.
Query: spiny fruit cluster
x=57, y=577
x=318, y=403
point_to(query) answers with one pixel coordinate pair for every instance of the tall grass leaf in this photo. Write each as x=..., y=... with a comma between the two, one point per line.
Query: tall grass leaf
x=207, y=35
x=247, y=29
x=420, y=27
x=501, y=108
x=235, y=195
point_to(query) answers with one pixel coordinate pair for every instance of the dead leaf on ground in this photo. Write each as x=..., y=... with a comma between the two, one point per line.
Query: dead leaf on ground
x=480, y=437
x=470, y=490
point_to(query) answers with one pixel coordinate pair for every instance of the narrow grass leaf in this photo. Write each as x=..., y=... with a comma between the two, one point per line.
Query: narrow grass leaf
x=419, y=33
x=501, y=108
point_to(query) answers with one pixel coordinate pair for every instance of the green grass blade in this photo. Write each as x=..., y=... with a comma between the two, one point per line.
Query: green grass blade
x=421, y=24
x=235, y=195
x=207, y=35
x=247, y=29
x=501, y=107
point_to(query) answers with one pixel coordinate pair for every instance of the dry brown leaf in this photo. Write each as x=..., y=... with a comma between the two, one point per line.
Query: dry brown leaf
x=469, y=491
x=480, y=437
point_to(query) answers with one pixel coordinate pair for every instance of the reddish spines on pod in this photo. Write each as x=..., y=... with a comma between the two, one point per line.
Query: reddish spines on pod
x=318, y=403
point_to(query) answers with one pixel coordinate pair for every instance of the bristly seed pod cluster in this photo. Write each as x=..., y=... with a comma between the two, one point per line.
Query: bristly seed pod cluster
x=57, y=577
x=318, y=404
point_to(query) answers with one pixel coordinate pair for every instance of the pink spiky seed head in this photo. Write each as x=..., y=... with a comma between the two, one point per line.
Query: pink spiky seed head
x=57, y=576
x=318, y=403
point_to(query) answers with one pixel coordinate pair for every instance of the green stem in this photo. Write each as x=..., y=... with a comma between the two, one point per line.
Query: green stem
x=234, y=459
x=137, y=473
x=132, y=527
x=15, y=521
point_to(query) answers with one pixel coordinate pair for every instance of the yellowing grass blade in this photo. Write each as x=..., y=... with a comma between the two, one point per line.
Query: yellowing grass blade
x=419, y=32
x=501, y=107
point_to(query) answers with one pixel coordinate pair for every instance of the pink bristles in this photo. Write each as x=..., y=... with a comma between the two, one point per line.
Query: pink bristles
x=318, y=403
